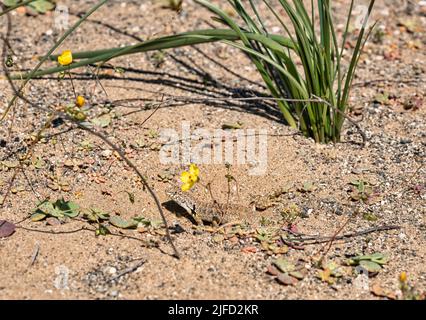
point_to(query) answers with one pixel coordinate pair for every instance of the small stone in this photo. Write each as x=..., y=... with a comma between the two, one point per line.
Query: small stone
x=106, y=153
x=405, y=141
x=306, y=212
x=111, y=270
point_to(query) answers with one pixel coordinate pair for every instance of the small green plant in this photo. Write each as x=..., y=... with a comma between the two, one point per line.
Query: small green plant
x=372, y=263
x=59, y=209
x=290, y=214
x=363, y=191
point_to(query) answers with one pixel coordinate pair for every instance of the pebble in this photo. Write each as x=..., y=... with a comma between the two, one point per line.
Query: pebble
x=306, y=212
x=402, y=236
x=111, y=270
x=106, y=153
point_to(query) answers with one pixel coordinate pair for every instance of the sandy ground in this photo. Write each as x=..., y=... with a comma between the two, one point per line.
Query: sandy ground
x=388, y=100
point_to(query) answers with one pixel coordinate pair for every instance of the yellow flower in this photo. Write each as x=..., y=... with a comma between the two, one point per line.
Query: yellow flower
x=65, y=58
x=80, y=101
x=194, y=171
x=189, y=178
x=403, y=277
x=188, y=181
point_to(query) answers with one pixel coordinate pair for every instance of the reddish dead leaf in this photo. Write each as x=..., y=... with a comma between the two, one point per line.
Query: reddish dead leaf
x=51, y=221
x=377, y=290
x=6, y=229
x=21, y=10
x=293, y=228
x=272, y=270
x=97, y=178
x=287, y=280
x=249, y=249
x=392, y=54
x=233, y=239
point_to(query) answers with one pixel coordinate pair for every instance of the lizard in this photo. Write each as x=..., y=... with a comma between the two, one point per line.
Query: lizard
x=215, y=214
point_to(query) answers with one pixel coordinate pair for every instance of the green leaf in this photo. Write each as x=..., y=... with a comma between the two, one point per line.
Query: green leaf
x=370, y=266
x=39, y=163
x=131, y=197
x=95, y=215
x=42, y=6
x=232, y=126
x=284, y=265
x=335, y=269
x=102, y=121
x=100, y=214
x=122, y=223
x=59, y=209
x=10, y=3
x=156, y=224
x=297, y=274
x=67, y=208
x=378, y=258
x=102, y=230
x=38, y=216
x=90, y=215
x=47, y=208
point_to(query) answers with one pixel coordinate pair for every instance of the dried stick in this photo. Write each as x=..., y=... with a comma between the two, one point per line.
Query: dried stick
x=128, y=270
x=317, y=240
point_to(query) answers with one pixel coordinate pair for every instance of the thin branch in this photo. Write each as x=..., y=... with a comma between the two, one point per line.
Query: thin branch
x=84, y=228
x=309, y=240
x=128, y=270
x=334, y=237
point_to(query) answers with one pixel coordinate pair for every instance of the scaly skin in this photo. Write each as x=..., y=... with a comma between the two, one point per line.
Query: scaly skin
x=211, y=213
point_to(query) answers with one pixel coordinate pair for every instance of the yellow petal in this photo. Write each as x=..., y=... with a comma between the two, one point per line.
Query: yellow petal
x=185, y=177
x=80, y=101
x=65, y=58
x=187, y=186
x=194, y=171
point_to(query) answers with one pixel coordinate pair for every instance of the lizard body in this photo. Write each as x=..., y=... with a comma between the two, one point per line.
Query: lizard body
x=211, y=213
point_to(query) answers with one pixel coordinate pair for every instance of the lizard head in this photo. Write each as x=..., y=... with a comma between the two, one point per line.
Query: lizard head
x=172, y=190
